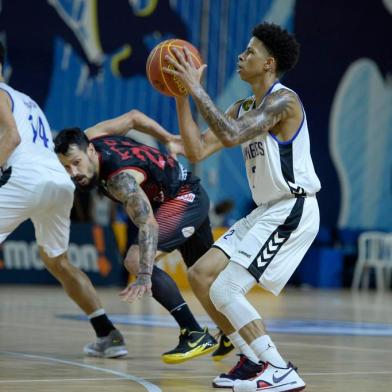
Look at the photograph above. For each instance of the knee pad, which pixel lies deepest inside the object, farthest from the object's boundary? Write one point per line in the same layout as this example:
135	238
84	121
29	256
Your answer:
227	294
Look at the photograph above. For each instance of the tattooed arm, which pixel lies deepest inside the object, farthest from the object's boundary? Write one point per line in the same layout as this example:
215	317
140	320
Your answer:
197	145
280	106
275	108
125	188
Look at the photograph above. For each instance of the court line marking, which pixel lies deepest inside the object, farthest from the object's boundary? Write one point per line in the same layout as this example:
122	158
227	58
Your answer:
162	377
125	333
149	332
146	384
14	381
345	373
332	347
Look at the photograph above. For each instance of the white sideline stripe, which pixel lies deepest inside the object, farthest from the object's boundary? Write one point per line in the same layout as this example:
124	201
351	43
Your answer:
344	373
332	347
61	380
149	386
161	377
125	333
170	333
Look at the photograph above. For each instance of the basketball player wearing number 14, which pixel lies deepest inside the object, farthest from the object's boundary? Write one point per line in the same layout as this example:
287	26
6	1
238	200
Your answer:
266	246
34	185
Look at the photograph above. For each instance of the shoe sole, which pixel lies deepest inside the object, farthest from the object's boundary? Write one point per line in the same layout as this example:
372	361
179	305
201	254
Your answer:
217	386
173	361
275	389
219	357
122	352
283	390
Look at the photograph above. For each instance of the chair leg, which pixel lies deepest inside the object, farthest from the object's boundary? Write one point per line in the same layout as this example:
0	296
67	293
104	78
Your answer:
380	277
366	278
389	277
357	276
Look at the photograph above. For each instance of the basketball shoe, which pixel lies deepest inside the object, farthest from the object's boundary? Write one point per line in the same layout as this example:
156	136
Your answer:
245	369
272	378
224	348
192	344
111	346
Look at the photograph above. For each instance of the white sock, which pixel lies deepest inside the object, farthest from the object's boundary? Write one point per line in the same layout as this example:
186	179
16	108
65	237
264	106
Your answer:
242	346
98	312
266	351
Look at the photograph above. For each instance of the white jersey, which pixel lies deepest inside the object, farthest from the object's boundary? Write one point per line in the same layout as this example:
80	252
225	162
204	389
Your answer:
36	147
34	184
277	169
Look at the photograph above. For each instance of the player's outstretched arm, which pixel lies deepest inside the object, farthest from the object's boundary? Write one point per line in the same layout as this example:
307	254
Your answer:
124	187
9	134
134	119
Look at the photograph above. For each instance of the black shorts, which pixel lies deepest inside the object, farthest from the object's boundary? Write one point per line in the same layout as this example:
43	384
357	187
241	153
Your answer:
183	224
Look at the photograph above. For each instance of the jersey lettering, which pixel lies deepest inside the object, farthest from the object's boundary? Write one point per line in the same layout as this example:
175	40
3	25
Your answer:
143	153
254	149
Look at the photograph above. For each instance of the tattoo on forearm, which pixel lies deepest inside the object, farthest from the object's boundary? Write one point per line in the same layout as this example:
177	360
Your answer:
124	187
148	240
275	107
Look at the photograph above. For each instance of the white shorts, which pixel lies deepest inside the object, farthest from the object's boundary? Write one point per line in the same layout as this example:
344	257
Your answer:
271	241
45	197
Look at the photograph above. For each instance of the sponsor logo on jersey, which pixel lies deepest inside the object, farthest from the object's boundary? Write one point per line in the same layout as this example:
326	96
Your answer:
188	231
296	189
189	197
245	254
183	173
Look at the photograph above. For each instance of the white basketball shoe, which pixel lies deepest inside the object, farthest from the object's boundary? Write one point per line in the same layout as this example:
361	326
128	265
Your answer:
272	378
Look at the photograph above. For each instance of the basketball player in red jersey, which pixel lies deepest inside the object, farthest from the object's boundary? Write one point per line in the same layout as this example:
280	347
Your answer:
166	203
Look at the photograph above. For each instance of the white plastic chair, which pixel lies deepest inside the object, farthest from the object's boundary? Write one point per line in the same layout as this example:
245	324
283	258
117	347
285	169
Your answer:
374	251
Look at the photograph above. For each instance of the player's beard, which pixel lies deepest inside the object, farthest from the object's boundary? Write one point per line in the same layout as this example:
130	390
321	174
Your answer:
89	186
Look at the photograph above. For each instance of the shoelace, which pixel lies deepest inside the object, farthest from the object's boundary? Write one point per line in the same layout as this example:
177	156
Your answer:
184	334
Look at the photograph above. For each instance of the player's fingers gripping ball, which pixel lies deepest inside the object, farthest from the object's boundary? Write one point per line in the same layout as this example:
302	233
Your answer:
169	84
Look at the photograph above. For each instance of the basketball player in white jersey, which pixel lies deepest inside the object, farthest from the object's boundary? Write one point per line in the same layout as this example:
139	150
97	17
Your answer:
34	185
266	246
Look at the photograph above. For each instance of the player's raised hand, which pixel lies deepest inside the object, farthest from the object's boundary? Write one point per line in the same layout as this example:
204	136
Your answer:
142	286
184	68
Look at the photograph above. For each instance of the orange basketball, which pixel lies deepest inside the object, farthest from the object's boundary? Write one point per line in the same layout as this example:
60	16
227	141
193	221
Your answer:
163	82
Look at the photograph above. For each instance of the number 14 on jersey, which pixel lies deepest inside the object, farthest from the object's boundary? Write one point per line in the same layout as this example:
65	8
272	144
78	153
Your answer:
38	129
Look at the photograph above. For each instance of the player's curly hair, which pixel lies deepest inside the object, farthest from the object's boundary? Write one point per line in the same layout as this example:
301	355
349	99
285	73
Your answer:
280	43
2	54
69	137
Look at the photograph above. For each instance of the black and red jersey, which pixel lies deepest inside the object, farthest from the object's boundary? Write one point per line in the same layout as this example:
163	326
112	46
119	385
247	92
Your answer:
163	175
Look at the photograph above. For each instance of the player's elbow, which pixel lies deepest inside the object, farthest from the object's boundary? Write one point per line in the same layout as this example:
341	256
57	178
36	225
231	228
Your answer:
194	157
133	118
228	141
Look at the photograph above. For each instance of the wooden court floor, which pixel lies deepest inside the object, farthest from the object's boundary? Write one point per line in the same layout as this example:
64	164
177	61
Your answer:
40	351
